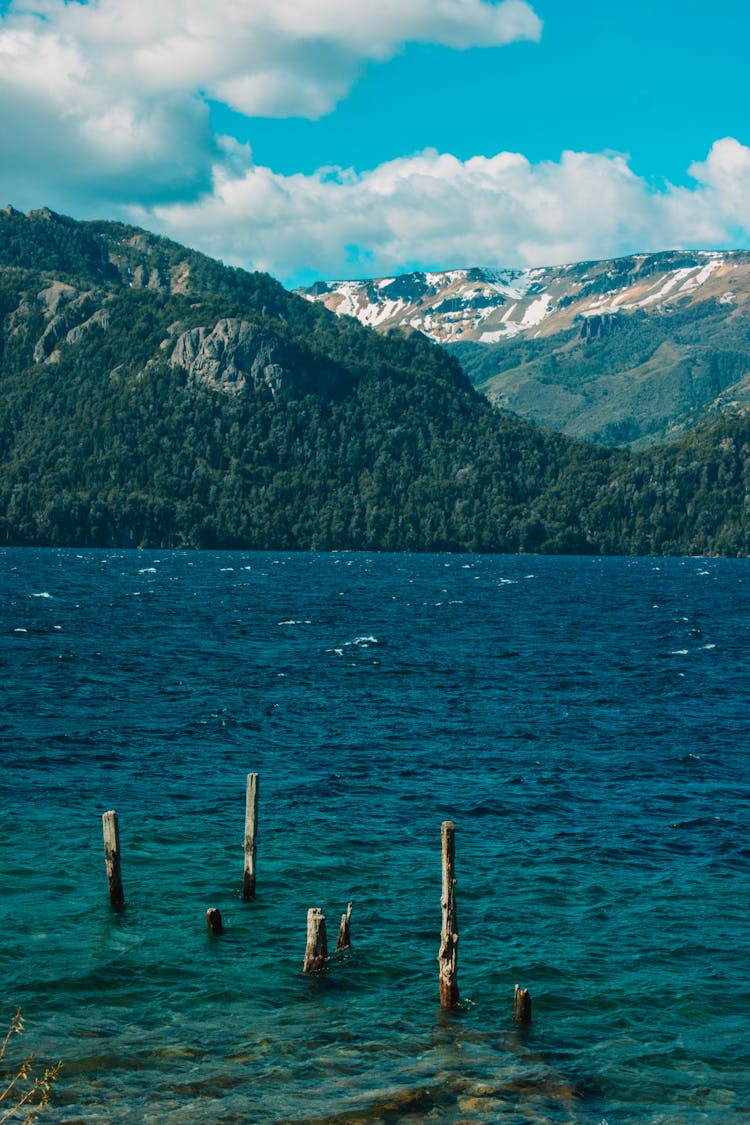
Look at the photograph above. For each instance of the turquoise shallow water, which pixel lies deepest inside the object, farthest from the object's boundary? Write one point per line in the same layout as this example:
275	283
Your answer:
584	724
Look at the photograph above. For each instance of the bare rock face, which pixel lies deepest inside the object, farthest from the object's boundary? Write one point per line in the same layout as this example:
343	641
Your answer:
231	356
71	315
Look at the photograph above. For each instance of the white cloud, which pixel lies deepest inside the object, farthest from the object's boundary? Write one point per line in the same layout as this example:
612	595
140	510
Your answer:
432	210
105	112
115	92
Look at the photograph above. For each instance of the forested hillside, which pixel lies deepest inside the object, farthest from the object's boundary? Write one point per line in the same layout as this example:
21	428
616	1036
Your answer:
151	396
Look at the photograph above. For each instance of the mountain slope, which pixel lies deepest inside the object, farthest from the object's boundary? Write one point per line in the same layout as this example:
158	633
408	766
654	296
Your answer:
151	396
629	351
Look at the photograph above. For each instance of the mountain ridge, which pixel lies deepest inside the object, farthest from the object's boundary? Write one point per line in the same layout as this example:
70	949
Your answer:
576	347
150	396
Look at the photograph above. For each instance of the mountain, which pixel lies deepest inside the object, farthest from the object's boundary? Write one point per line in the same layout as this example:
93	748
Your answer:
623	352
150	396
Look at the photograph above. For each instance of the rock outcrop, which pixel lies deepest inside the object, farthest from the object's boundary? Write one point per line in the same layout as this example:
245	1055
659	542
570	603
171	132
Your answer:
231	356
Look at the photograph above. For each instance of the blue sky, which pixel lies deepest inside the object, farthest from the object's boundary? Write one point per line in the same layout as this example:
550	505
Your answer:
337	138
658	79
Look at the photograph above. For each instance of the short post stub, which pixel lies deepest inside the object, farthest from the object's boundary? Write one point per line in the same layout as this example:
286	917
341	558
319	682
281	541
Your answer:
448	955
111	831
251	825
344	939
522	1006
213	920
316	953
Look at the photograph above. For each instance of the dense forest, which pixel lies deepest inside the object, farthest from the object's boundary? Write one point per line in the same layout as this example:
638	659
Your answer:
150	396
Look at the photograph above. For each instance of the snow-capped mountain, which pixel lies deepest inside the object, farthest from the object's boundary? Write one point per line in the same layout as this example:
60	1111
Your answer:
630	350
491	306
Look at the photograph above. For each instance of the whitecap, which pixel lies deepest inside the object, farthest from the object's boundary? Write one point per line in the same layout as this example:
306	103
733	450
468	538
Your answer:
292	621
43	595
148	570
20	630
706	647
679	652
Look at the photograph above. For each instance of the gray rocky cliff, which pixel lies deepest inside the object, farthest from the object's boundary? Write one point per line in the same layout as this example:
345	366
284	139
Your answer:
232	356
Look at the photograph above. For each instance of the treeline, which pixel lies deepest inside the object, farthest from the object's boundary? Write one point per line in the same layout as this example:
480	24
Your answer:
377	443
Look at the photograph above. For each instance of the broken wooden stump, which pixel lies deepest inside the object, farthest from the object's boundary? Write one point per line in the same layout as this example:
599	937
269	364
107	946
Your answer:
522	1006
316	953
213	921
448	955
344	940
251	823
111	831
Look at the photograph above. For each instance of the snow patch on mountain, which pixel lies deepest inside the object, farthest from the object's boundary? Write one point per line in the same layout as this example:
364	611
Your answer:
494	305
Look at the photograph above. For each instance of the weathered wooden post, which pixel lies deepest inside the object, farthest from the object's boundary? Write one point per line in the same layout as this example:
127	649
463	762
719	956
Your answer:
522	1006
316	953
448	955
213	921
111	830
251	824
344	939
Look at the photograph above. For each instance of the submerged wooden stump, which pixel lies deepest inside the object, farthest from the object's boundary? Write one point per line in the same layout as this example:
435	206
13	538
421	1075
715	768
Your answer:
111	831
344	939
251	824
522	1006
316	953
213	920
448	955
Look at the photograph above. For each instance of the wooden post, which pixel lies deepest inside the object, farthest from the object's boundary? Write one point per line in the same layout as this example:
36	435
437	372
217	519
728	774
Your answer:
213	921
251	824
448	955
112	858
316	953
344	939
522	1006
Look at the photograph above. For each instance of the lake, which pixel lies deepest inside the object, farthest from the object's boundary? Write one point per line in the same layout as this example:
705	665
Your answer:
582	721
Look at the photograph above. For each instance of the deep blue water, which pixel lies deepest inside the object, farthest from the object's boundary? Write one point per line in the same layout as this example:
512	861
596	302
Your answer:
584	722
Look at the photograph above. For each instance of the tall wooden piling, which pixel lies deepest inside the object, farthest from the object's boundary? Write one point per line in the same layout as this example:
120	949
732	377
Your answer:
448	955
251	824
344	939
111	831
316	953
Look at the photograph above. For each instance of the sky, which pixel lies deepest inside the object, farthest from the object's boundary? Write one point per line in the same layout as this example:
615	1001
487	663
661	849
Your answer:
363	138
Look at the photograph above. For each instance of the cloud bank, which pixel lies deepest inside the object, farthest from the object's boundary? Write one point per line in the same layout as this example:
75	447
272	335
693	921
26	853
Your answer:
106	112
432	210
108	100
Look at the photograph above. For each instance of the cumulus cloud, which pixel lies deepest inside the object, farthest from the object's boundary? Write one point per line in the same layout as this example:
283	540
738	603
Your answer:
106	111
432	210
108	100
